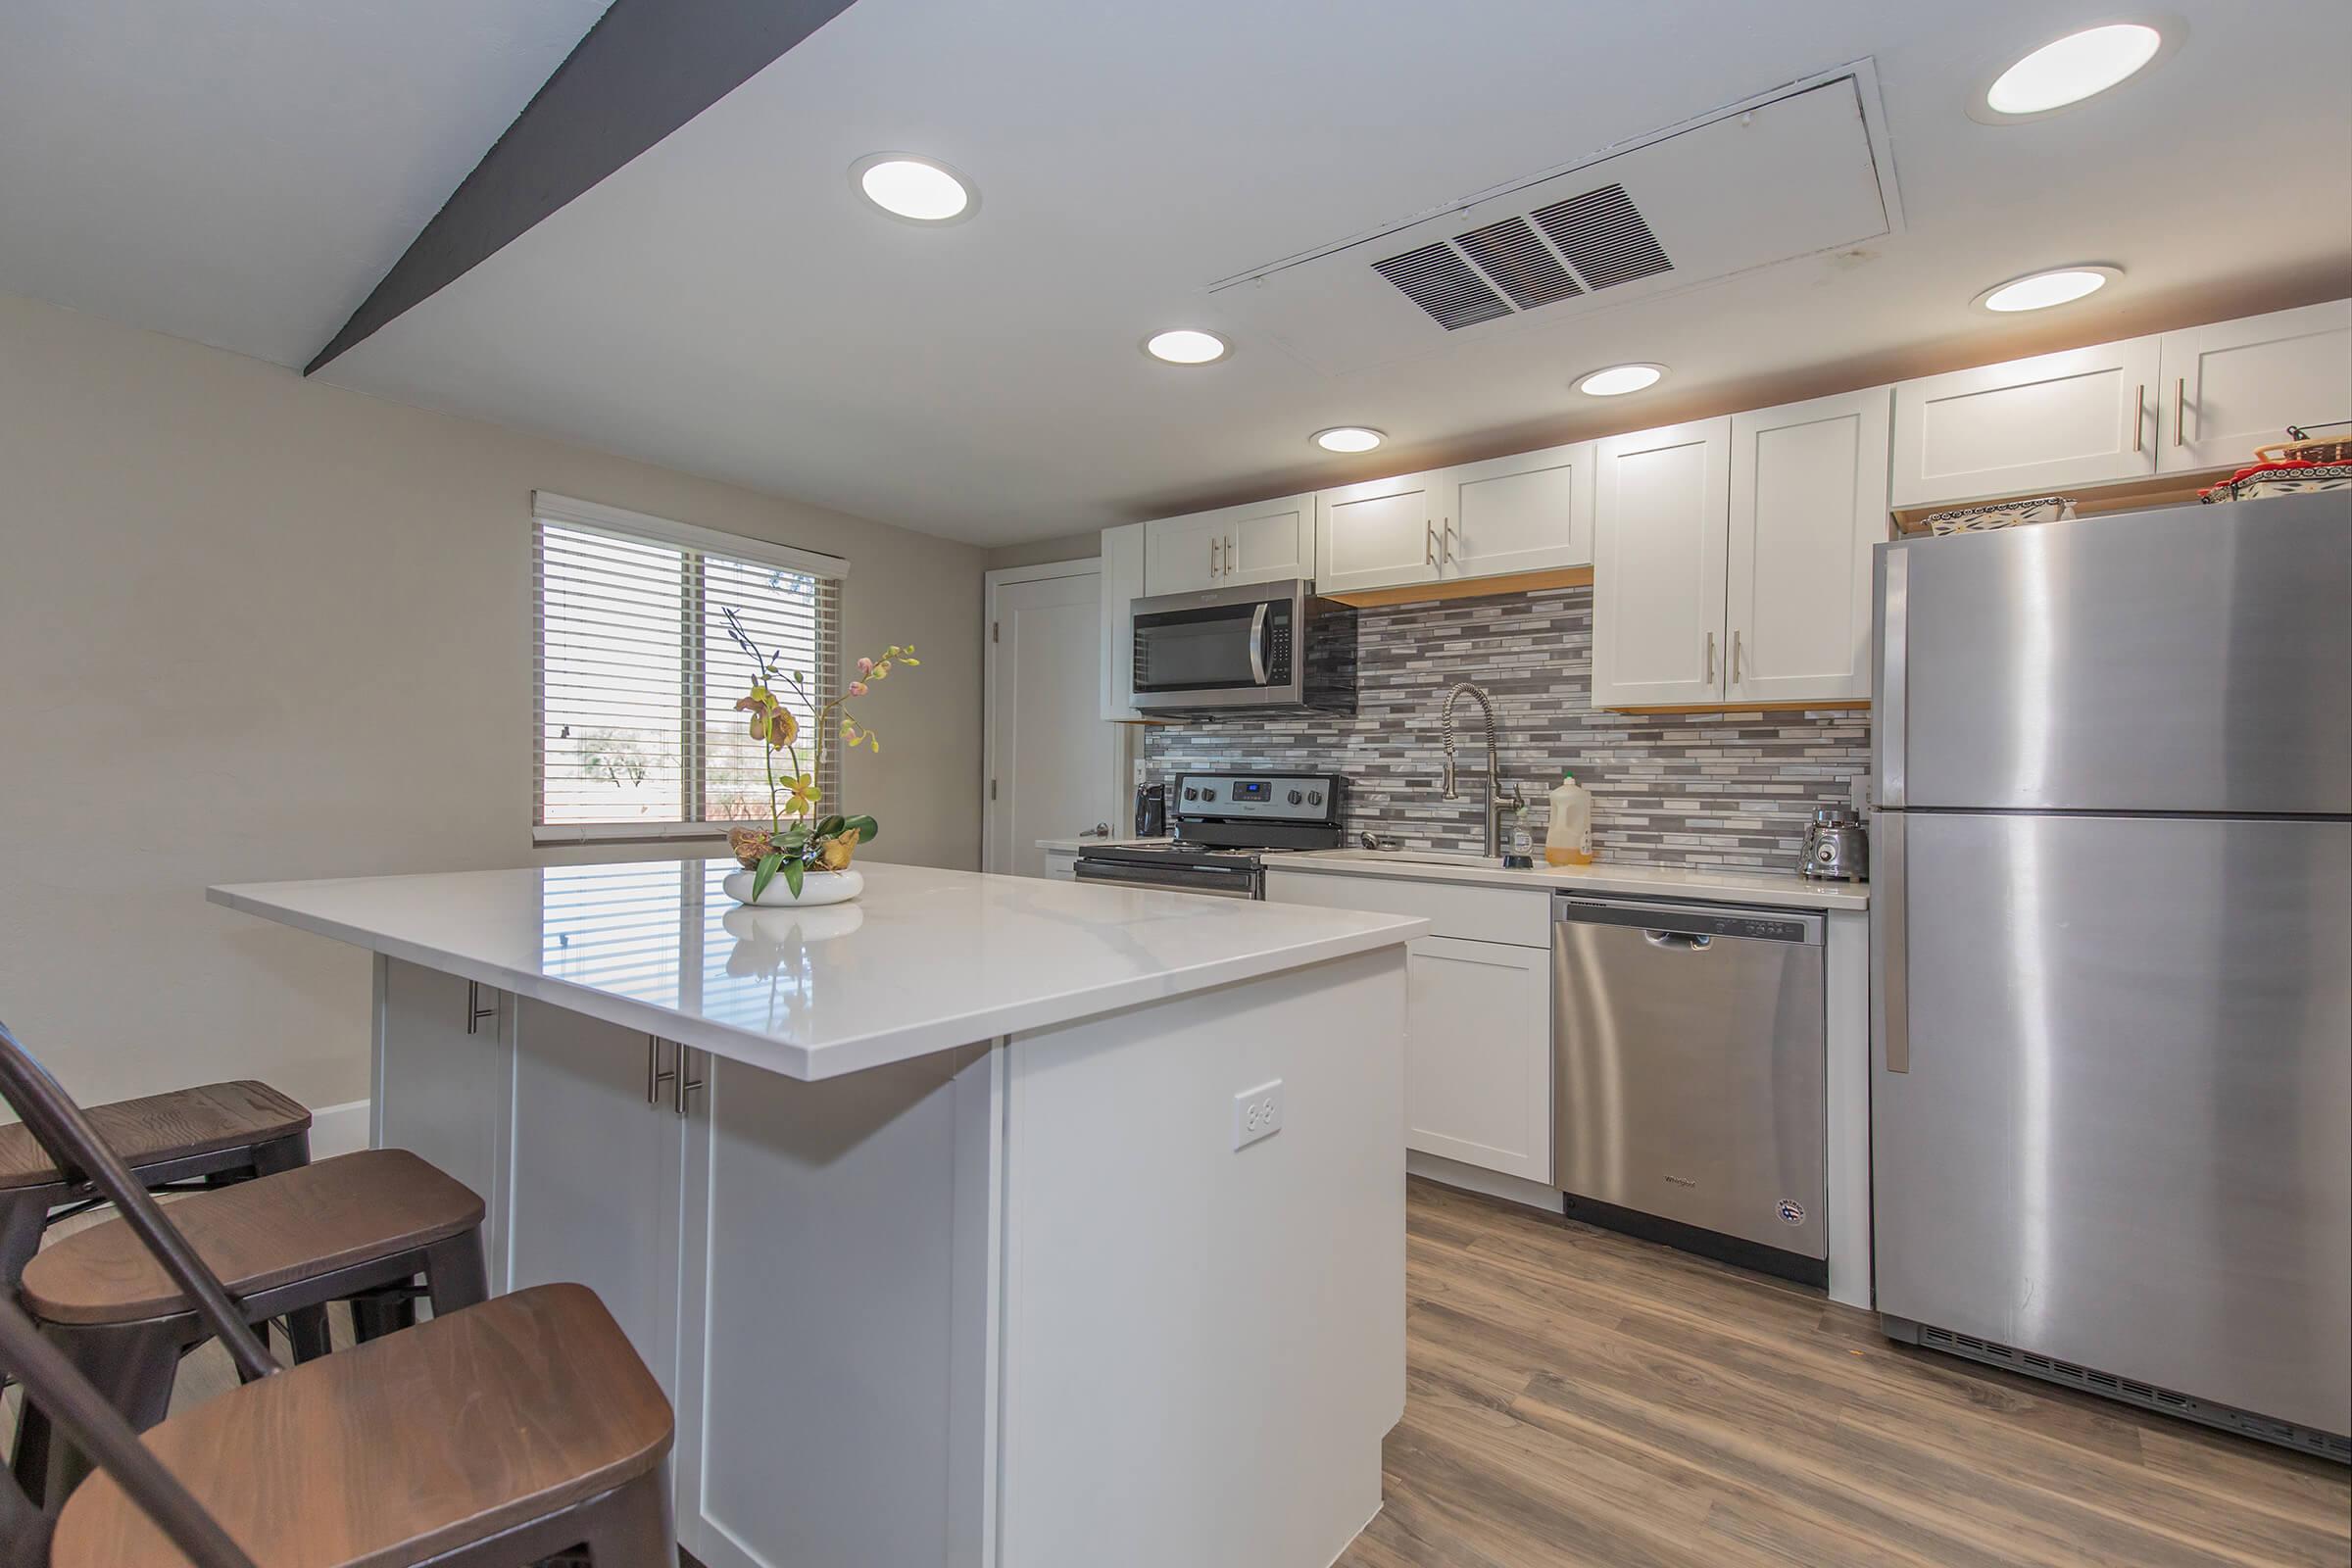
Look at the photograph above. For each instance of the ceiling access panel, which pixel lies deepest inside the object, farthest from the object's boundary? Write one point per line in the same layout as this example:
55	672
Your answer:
1751	186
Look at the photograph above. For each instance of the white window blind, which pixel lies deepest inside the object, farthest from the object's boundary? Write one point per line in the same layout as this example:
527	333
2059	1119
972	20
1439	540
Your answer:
639	671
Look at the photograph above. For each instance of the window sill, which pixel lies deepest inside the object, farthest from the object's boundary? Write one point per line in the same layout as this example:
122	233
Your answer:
543	836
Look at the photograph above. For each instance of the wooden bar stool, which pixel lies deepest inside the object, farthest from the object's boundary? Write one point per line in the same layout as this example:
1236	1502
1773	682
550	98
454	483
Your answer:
283	1244
490	1437
211	1134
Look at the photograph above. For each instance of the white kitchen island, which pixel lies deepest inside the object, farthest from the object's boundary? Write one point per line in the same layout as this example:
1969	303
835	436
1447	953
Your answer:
928	1209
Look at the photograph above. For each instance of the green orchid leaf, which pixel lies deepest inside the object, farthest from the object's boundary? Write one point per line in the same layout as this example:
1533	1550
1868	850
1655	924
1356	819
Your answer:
868	831
794	872
765	873
831	825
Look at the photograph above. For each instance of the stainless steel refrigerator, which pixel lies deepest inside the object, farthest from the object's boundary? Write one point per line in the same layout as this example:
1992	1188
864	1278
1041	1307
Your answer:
2112	943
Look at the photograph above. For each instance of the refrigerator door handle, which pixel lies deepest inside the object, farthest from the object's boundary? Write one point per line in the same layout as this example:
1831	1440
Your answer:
1891	997
1889	693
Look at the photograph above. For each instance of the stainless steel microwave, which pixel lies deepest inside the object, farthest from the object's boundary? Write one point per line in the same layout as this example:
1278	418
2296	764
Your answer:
1261	647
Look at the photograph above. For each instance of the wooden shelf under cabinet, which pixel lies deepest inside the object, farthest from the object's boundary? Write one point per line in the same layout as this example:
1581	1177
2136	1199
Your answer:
1517	582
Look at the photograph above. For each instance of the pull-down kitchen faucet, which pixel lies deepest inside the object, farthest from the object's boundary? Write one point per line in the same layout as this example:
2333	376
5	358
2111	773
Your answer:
1494	800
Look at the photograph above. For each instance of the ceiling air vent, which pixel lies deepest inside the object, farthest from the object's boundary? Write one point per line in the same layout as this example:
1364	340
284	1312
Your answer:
1442	284
1604	238
1520	265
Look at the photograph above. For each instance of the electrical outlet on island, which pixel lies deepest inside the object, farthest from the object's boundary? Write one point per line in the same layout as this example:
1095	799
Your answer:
1256	1114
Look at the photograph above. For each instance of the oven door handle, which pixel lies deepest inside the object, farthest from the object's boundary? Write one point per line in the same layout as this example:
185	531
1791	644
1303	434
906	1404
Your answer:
1217	882
1257	644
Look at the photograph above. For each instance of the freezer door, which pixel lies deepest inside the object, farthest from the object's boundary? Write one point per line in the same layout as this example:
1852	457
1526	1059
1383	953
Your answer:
2196	660
2121	1131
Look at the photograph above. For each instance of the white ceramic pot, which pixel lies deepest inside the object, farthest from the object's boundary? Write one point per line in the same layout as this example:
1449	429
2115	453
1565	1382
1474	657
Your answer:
816	888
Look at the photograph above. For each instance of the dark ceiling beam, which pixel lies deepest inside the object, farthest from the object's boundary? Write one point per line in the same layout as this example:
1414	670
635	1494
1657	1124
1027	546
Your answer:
644	69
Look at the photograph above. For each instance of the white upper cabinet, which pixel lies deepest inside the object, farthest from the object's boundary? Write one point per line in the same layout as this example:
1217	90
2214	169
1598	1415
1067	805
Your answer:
1378	534
1660	503
1264	541
1122	585
2051	423
2229	388
1532	512
1808	500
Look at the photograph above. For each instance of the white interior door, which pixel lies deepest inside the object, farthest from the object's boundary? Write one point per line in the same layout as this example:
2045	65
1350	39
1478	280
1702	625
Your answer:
1051	760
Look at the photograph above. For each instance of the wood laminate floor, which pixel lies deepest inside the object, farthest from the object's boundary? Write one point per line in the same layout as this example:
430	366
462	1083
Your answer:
1576	1398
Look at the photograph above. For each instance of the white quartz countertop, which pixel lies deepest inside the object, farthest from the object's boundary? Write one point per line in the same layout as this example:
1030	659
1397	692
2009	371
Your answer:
926	960
1782	890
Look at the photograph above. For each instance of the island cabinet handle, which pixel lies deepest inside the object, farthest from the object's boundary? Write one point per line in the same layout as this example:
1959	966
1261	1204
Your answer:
655	1075
476	1012
685	1085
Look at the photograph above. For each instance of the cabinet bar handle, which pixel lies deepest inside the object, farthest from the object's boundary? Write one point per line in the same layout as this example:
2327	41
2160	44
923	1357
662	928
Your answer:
655	1074
1213	542
476	1012
2180	397
2140	415
1734	656
1446	543
1710	656
1429	543
685	1085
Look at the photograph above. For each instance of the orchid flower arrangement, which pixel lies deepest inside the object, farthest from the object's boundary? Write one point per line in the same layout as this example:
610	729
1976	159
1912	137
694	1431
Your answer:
825	843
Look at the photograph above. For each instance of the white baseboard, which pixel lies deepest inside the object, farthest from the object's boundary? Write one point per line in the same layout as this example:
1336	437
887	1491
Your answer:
339	1129
1475	1179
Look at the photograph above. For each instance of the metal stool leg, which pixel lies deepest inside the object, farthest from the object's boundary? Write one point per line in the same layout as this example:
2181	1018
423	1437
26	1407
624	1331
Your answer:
133	1366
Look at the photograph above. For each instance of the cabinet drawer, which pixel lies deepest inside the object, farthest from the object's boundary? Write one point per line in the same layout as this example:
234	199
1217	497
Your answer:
1519	916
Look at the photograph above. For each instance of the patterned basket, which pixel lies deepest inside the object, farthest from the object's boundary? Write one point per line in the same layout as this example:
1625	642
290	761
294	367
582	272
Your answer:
2001	514
2280	479
2329	451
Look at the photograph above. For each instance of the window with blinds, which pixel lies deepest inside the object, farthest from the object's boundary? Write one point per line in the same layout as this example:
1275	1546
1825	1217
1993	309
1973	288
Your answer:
639	669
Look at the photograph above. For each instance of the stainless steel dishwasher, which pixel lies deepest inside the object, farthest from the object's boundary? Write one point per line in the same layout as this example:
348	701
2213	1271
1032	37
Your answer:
1688	1072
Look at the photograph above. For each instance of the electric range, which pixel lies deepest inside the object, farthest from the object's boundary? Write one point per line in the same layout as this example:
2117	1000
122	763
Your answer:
1224	825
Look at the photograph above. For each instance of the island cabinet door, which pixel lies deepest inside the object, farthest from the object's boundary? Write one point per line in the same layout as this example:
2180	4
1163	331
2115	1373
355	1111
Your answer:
840	1316
597	1181
1478	1054
444	1065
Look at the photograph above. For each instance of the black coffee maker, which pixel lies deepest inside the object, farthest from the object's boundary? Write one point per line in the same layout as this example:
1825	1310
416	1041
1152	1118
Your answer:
1151	810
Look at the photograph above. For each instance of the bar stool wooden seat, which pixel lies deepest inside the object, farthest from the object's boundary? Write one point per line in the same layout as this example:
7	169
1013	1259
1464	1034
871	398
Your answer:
212	1132
492	1436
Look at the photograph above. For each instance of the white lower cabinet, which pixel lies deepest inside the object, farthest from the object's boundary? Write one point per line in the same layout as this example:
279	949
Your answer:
1478	1014
597	1186
442	1091
1478	1054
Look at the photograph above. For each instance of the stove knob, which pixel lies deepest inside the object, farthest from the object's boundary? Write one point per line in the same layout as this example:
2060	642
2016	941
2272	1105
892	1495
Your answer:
1295	797
1208	793
1191	794
1314	796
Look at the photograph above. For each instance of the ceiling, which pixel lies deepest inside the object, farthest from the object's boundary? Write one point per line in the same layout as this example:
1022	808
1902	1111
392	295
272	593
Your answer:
726	304
243	171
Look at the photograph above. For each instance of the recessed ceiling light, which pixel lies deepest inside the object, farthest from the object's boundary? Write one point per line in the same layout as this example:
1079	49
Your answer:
2069	70
919	190
1186	346
1348	438
1619	379
2038	291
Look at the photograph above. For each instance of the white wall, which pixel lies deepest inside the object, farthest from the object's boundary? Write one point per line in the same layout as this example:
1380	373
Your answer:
254	627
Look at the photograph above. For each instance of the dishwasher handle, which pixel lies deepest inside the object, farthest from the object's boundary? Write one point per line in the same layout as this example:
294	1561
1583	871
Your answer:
1678	940
1691	926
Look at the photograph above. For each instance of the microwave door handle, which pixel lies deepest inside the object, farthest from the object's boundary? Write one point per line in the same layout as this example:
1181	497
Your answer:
1257	644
